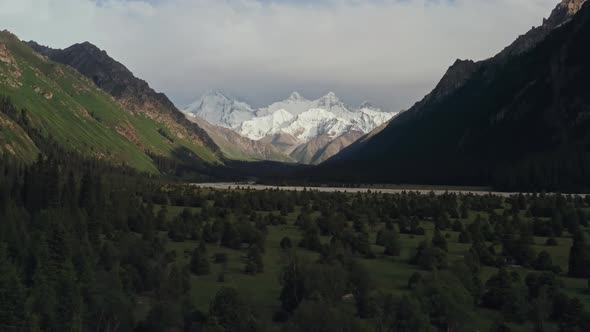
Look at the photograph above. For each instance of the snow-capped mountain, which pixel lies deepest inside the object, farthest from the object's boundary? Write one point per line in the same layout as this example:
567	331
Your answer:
220	110
308	119
316	122
322	120
297	104
271	124
367	119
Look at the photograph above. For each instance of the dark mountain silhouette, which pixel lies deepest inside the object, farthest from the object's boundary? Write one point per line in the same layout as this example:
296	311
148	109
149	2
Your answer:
519	120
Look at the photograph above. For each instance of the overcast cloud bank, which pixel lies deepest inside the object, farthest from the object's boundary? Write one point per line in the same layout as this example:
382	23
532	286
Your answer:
391	52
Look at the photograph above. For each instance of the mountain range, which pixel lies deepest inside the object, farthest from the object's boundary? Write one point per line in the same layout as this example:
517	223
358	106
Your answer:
301	130
520	119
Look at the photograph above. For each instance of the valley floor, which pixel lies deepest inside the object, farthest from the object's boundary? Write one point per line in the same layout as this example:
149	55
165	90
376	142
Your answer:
385	189
390	275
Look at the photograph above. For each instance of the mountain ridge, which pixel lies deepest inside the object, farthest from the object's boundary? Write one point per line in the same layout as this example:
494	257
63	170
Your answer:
218	109
302	122
132	94
63	107
515	120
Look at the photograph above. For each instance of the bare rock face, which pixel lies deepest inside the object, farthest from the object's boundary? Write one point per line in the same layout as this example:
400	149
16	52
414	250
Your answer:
563	12
284	142
238	147
323	147
12	73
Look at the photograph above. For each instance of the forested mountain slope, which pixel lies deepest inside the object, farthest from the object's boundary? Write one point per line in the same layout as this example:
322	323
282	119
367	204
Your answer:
520	120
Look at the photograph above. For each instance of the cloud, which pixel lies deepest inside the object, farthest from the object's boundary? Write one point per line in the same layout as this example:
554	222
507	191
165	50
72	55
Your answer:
388	51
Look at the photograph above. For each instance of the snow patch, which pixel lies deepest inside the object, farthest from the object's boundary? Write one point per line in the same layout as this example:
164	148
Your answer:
296	116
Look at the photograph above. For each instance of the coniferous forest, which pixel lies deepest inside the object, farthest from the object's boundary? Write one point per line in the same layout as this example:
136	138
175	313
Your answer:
88	246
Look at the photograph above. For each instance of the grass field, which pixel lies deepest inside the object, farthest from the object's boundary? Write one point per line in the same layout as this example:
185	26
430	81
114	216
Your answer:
390	274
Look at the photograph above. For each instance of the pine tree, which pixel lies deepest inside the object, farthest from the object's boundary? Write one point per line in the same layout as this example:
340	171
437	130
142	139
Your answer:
12	295
199	264
391	243
579	259
173	287
438	241
293	283
228	313
286	243
254	262
69	304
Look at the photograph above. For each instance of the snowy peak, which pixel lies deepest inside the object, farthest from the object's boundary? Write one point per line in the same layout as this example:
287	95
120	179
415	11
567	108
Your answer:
367	105
313	123
297	127
295	116
216	94
296	96
333	104
219	109
260	127
368	119
213	96
329	100
295	104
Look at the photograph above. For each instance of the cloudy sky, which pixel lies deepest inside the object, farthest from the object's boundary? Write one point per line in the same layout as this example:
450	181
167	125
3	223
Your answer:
391	52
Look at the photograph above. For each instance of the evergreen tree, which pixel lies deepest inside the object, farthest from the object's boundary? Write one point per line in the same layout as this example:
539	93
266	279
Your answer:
293	282
199	264
315	316
173	287
579	258
228	313
12	296
429	257
254	262
230	236
403	315
543	262
438	241
541	310
390	240
286	243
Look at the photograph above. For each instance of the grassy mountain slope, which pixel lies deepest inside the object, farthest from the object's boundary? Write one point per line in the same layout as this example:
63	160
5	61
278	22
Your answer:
77	114
131	93
519	120
14	141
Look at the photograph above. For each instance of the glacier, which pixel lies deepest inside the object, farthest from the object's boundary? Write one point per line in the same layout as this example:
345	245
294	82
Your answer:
296	116
218	109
